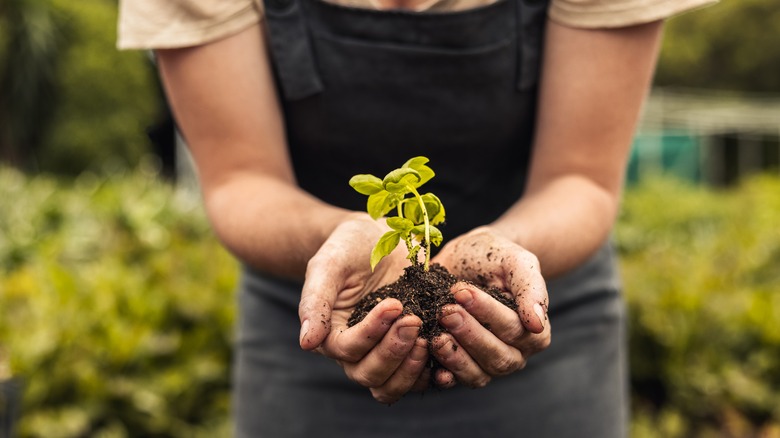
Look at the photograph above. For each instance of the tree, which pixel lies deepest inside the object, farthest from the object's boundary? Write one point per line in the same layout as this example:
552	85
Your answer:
731	45
30	43
69	100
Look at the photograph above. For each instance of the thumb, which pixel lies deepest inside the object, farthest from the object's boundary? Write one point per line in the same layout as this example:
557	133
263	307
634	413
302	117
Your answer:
530	291
318	295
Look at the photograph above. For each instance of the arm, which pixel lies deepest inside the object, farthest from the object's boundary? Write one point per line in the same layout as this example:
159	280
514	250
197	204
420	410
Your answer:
226	106
592	88
593	85
224	99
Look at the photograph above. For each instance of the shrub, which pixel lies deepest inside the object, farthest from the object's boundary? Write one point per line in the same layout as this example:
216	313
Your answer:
117	307
702	270
106	98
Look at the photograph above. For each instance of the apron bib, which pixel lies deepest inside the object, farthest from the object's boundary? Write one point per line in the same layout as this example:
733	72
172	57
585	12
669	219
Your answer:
365	90
362	91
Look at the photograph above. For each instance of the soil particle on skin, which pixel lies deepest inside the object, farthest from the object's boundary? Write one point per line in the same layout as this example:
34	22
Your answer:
422	293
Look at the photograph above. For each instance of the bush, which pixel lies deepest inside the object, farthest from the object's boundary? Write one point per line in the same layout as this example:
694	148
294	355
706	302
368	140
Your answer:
106	98
69	100
702	270
117	308
728	46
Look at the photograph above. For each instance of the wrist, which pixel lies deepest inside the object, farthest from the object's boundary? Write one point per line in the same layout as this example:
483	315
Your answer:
499	230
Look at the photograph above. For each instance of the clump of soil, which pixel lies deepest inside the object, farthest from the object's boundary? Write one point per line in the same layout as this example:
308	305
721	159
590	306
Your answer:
423	293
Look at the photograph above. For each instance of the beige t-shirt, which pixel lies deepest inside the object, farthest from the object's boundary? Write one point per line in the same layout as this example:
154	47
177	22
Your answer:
156	24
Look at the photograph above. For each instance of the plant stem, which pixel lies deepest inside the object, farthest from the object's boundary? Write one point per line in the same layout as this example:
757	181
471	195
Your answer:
408	238
427	227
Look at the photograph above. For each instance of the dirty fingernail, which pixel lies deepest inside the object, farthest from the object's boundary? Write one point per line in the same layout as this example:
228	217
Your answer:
444	345
304	330
389	316
540	313
464	297
419	353
452	321
408	333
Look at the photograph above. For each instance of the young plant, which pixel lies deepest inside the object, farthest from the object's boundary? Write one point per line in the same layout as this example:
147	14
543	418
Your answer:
417	214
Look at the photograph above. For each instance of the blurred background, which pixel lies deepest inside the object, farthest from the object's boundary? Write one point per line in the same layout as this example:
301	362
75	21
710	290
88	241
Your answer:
116	302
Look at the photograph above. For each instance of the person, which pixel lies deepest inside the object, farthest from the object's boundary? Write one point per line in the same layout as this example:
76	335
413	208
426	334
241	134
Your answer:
526	109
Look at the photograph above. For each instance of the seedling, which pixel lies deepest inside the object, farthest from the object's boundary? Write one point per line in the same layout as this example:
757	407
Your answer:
417	214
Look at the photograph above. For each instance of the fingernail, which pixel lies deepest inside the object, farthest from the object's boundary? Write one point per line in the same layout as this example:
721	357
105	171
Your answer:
304	330
389	316
540	313
408	333
419	353
452	321
445	346
464	297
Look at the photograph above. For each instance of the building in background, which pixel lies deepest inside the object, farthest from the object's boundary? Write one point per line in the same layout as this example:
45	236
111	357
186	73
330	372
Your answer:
705	136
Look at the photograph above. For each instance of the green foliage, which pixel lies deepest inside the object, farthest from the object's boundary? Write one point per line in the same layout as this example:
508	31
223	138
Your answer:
77	101
702	276
731	45
117	308
31	36
417	215
107	98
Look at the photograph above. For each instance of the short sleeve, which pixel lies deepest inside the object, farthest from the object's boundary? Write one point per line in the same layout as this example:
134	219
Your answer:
618	13
163	24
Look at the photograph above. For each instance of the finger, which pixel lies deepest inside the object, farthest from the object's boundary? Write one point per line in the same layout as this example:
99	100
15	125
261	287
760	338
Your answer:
525	281
444	379
353	343
405	377
493	355
424	379
385	358
466	370
534	343
318	295
502	321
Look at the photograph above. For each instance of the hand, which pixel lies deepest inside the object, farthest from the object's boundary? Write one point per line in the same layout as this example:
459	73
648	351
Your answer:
382	352
485	338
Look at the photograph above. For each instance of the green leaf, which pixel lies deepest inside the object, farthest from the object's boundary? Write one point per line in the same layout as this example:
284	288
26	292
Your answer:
418	164
434	207
400	224
412	211
399	180
436	236
366	184
384	247
380	203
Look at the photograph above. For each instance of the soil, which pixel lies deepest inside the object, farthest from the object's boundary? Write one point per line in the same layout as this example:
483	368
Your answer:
423	293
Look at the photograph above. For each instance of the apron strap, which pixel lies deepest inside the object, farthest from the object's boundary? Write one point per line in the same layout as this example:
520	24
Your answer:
291	50
530	34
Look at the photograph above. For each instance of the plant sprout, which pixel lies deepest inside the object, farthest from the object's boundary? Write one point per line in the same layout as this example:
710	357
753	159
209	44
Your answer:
417	215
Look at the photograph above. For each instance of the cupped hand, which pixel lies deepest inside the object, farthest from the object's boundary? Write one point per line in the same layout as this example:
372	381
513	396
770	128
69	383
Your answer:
382	352
485	338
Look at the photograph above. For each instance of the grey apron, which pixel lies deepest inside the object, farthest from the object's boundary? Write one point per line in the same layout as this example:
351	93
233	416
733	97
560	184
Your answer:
362	91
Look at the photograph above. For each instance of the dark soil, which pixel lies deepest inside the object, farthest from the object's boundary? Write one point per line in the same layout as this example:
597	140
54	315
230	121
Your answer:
423	294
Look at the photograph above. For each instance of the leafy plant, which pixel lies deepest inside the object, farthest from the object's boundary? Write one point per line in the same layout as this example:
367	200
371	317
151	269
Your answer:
701	279
417	214
117	315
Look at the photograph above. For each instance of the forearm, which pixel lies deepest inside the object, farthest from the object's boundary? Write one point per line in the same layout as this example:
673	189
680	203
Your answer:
562	223
270	224
594	82
225	103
